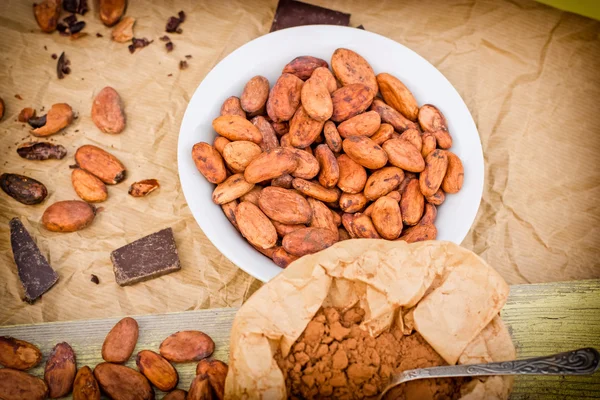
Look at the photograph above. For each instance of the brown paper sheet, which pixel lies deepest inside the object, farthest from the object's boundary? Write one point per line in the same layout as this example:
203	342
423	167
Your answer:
528	73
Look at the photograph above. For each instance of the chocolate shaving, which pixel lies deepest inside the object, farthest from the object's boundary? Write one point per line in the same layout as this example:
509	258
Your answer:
291	13
37	122
188	56
73	166
94	279
138	44
45	48
174	22
62	68
169	46
170	75
164	38
183	64
99	34
18	96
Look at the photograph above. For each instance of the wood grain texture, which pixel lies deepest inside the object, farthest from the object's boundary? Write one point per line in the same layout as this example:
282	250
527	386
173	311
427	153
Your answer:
543	319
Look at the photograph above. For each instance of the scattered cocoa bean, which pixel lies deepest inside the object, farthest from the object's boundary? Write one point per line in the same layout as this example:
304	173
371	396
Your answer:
68	216
123	31
18	354
143	188
19	385
60	370
41	151
120	341
200	388
85	386
23	189
187	346
59	116
46	14
88	187
24	115
107	111
111	11
100	163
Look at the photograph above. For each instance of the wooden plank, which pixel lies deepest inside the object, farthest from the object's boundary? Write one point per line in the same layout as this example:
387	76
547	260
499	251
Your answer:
543	319
551	318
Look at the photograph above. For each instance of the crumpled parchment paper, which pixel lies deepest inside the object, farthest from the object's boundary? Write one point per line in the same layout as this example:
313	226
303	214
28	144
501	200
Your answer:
527	72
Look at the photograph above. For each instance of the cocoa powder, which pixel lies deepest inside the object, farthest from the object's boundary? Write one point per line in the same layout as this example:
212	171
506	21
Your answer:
335	359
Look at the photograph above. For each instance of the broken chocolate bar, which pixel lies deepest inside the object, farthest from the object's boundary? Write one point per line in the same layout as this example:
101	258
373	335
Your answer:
291	13
146	258
36	275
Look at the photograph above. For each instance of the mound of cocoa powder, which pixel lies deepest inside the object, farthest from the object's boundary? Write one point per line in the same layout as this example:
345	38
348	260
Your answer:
335	359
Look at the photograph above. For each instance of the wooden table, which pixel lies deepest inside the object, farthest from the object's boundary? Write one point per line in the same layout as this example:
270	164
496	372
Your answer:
543	319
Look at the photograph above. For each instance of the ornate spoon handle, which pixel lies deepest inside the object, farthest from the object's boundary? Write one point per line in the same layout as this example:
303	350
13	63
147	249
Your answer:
577	362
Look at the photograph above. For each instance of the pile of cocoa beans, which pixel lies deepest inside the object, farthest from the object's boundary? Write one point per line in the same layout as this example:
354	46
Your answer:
322	157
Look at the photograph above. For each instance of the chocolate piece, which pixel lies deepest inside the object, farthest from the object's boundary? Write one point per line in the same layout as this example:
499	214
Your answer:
94	278
174	22
360	27
37	122
183	64
99	34
164	38
76	27
291	13
146	258
36	275
138	43
169	46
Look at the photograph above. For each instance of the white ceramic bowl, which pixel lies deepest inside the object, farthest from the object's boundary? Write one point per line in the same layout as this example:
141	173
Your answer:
267	56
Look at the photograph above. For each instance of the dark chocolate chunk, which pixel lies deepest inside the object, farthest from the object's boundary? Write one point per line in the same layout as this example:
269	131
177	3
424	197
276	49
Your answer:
94	279
36	275
138	43
37	122
169	46
146	258
42	151
291	13
181	15
360	27
54	56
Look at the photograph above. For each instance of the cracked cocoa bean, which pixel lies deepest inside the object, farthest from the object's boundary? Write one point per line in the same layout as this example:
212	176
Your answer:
41	151
23	189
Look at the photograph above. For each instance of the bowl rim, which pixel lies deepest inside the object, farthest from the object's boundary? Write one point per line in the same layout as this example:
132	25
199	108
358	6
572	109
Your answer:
267	274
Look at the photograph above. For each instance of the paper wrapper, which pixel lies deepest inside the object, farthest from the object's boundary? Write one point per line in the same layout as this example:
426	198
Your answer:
527	72
454	298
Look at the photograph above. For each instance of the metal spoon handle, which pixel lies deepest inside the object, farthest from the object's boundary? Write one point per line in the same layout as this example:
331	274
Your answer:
577	362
